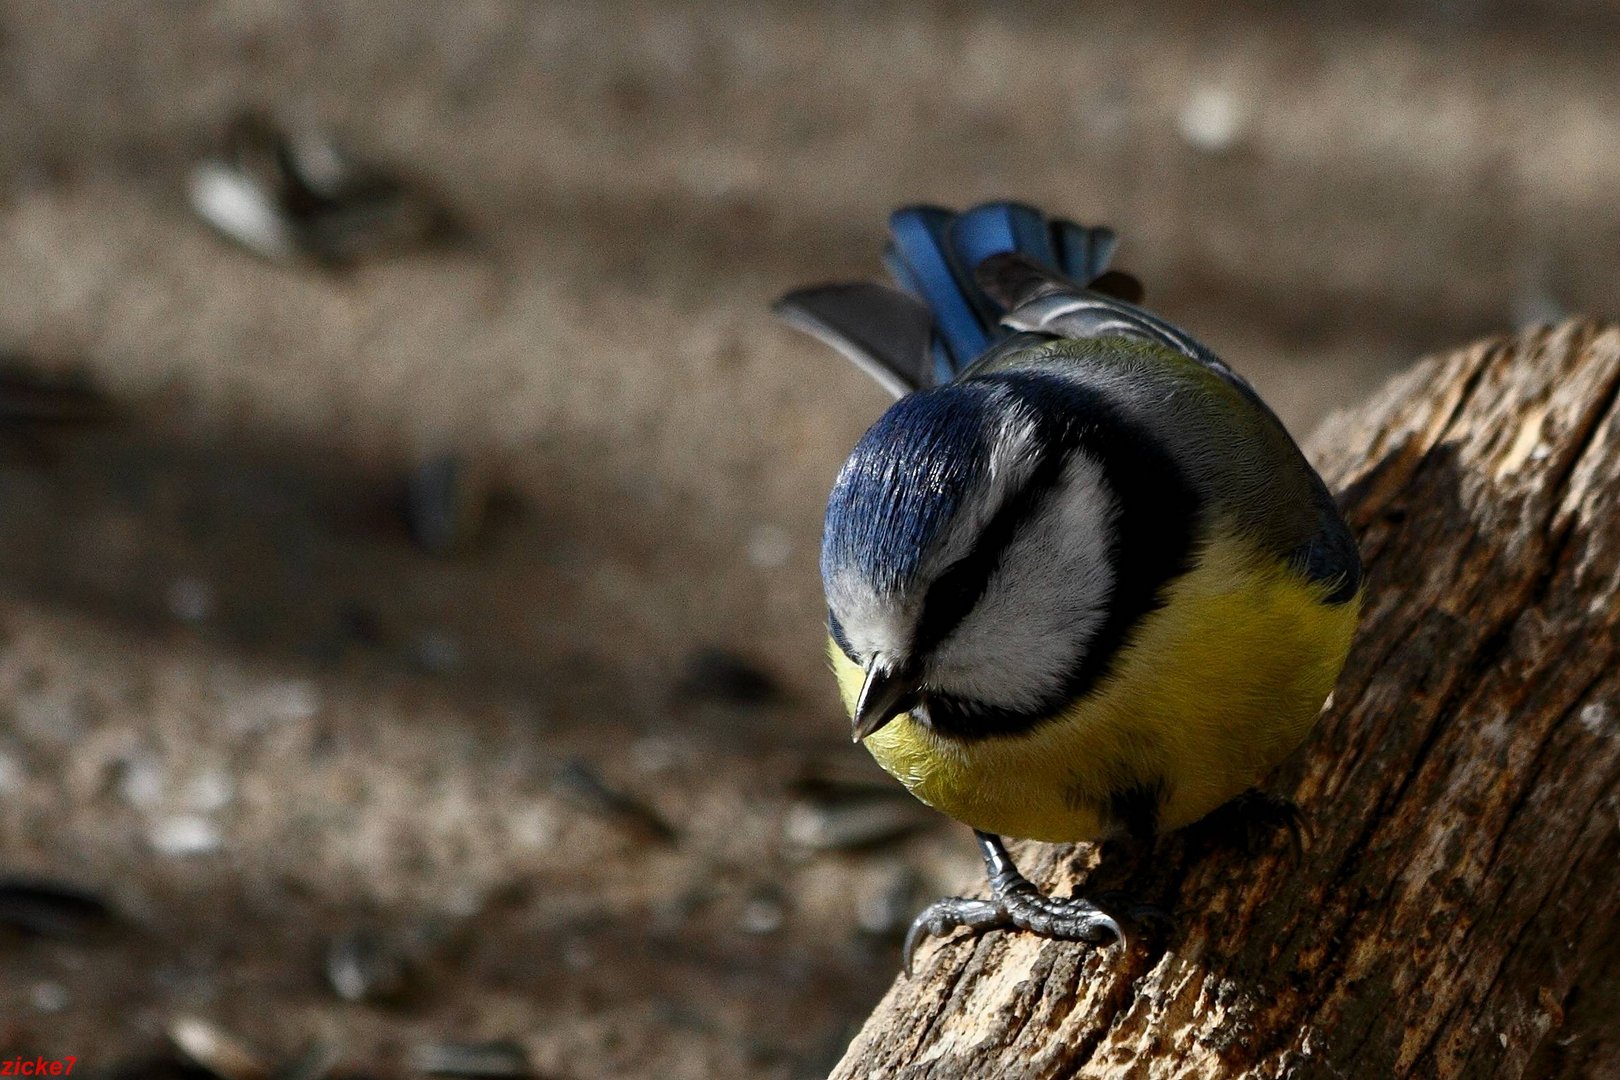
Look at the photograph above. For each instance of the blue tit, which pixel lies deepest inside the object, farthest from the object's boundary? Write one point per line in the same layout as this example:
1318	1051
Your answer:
1081	583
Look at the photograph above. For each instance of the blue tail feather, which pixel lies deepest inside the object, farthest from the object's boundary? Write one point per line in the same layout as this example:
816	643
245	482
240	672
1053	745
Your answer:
991	229
1083	253
944	368
922	243
934	253
994	228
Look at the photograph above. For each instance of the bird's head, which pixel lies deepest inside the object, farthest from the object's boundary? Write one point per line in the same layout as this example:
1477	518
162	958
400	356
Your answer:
969	556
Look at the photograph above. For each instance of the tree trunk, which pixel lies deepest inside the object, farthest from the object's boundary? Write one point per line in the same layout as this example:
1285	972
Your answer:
1455	911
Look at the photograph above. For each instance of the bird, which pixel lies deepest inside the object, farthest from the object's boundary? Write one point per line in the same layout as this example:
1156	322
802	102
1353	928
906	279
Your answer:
1082	585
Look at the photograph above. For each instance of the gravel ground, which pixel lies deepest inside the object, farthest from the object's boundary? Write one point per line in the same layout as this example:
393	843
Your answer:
239	703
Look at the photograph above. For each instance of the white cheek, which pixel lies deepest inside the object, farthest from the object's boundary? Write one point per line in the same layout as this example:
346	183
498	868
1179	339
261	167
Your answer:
871	623
1045	603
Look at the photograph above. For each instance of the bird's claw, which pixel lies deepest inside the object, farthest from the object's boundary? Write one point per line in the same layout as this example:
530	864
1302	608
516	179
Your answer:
951	913
1021	906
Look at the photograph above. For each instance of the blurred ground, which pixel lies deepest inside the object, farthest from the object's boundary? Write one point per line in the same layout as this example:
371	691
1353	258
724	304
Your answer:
239	703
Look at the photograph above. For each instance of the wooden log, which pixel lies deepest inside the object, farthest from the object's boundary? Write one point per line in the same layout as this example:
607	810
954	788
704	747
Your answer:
1455	914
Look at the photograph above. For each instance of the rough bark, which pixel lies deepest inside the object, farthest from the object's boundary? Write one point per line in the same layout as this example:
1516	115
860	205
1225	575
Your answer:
1456	912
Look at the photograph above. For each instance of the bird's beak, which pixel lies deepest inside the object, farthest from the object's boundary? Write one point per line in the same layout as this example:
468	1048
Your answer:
886	693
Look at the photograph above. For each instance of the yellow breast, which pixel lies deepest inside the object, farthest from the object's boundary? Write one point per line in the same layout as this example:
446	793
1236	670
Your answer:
1212	690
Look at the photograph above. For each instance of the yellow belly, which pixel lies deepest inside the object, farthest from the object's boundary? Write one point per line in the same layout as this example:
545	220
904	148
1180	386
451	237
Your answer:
1214	689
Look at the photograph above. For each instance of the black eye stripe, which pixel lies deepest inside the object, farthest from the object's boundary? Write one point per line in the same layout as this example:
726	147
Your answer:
955	591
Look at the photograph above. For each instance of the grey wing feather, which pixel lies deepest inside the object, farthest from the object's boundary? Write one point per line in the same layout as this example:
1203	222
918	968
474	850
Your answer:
1042	301
886	332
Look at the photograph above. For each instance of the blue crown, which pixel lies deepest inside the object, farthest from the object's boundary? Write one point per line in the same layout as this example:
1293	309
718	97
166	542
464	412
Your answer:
905	479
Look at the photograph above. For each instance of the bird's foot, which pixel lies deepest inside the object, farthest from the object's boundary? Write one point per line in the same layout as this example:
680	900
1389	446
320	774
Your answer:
1016	902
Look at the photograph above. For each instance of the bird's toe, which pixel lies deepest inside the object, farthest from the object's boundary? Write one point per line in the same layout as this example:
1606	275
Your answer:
951	913
1064	918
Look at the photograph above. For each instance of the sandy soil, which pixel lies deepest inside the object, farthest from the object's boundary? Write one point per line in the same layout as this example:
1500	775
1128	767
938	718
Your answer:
237	701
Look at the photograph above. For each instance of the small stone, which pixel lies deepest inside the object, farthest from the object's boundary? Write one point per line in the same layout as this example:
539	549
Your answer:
291	196
185	835
581	785
49	997
190	599
764	913
50	717
496	1059
242	208
52	909
255	708
866	823
445	499
216	1050
533	828
291	700
209	791
656	754
577	955
769	547
141	781
365	965
465	900
436	653
12	775
1212	119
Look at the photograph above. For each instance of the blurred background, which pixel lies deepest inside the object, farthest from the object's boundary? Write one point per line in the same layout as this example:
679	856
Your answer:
410	637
